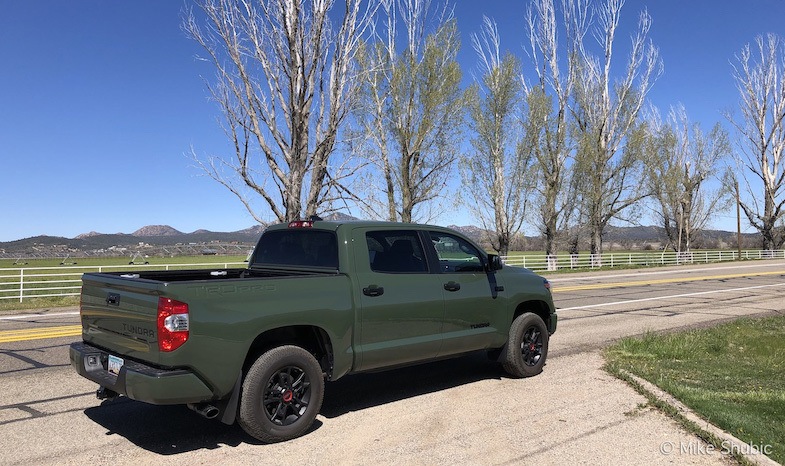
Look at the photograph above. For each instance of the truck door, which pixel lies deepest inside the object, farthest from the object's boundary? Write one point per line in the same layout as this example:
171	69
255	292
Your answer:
402	306
473	315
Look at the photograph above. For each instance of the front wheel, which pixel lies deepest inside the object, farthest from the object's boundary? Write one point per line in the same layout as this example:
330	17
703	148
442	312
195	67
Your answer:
282	394
527	346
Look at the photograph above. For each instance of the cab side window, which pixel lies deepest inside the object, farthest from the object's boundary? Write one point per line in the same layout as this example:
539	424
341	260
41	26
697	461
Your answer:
456	254
396	251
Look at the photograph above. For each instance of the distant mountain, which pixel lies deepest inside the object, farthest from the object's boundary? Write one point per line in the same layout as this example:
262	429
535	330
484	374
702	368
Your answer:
165	240
474	233
255	230
88	235
149	240
639	233
340	217
157	230
641	237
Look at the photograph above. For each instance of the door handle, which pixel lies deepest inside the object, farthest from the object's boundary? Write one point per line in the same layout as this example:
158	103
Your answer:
452	286
373	290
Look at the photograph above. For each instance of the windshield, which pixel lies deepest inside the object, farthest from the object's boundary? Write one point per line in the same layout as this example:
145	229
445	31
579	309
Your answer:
296	247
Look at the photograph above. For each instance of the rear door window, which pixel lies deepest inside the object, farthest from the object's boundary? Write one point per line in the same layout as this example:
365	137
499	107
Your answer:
396	251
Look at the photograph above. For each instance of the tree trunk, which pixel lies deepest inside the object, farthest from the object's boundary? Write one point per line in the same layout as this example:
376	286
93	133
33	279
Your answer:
596	239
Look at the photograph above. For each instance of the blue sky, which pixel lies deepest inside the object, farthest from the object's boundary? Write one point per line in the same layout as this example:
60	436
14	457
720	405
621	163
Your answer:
101	101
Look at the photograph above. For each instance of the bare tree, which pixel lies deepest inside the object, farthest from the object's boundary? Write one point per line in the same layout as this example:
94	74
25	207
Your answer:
548	114
285	77
606	114
411	109
496	172
681	158
760	79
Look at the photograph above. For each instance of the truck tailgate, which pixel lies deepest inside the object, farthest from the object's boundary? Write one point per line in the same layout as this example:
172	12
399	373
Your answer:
120	315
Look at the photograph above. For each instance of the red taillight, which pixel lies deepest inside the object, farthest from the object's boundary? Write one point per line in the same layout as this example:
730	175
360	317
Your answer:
301	224
173	324
546	284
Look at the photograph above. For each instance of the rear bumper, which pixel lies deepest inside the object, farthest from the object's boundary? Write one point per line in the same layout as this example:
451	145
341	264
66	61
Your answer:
139	381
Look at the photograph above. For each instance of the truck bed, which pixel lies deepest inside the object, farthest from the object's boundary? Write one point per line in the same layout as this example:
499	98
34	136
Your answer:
169	276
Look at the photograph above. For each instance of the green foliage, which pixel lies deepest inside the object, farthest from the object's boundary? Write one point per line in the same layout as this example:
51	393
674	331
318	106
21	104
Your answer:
409	115
733	375
680	157
495	171
426	99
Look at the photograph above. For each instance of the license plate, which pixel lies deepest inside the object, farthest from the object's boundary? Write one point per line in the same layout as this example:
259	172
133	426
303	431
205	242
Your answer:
114	365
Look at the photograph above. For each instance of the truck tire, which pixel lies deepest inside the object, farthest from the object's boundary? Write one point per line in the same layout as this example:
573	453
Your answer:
282	394
527	346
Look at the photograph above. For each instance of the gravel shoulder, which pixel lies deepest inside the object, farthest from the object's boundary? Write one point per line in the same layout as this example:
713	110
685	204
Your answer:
572	413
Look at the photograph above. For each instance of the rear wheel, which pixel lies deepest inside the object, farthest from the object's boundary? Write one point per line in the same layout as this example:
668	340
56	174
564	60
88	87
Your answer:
527	346
282	394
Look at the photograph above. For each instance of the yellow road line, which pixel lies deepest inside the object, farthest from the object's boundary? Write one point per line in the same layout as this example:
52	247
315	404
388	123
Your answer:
601	286
10	336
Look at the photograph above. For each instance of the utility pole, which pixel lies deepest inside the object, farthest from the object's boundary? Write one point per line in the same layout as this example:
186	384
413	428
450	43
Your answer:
738	219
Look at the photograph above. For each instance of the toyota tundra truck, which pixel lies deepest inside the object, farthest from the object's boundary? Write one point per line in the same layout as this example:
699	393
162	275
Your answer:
318	300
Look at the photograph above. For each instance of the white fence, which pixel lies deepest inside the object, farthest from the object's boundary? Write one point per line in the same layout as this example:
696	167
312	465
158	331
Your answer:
47	282
543	263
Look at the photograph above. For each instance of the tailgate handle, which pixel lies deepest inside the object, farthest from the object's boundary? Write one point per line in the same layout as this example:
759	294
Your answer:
113	299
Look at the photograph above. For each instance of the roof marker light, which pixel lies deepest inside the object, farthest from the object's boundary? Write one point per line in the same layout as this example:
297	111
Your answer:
301	224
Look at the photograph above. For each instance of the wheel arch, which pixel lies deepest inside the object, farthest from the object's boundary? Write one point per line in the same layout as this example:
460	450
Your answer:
312	338
536	306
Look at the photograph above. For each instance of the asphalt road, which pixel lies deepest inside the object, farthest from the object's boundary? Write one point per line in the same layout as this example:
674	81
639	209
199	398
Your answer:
462	411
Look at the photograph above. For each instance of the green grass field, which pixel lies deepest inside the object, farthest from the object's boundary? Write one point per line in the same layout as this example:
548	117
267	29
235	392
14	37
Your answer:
732	375
76	263
42	276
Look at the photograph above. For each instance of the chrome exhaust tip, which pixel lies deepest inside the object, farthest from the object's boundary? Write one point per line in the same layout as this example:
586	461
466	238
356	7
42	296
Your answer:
206	410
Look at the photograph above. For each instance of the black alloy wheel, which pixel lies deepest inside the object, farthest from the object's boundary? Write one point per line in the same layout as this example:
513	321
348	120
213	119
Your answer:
287	395
531	346
281	395
527	346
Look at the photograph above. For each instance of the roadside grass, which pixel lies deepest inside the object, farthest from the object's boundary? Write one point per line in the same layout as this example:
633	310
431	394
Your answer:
38	303
732	375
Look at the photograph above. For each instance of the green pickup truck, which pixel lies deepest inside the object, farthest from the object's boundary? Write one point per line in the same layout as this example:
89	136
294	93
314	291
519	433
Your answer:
318	300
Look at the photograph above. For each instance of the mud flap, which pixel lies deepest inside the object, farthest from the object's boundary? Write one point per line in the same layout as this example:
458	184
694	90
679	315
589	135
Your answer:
228	406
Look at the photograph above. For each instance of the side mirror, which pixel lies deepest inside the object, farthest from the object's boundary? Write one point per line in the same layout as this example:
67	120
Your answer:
494	262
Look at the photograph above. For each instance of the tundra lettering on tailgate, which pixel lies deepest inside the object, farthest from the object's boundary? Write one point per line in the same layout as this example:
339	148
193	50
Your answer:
141	331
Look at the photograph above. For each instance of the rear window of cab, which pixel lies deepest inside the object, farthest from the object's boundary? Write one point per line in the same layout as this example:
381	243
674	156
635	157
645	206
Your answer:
299	248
